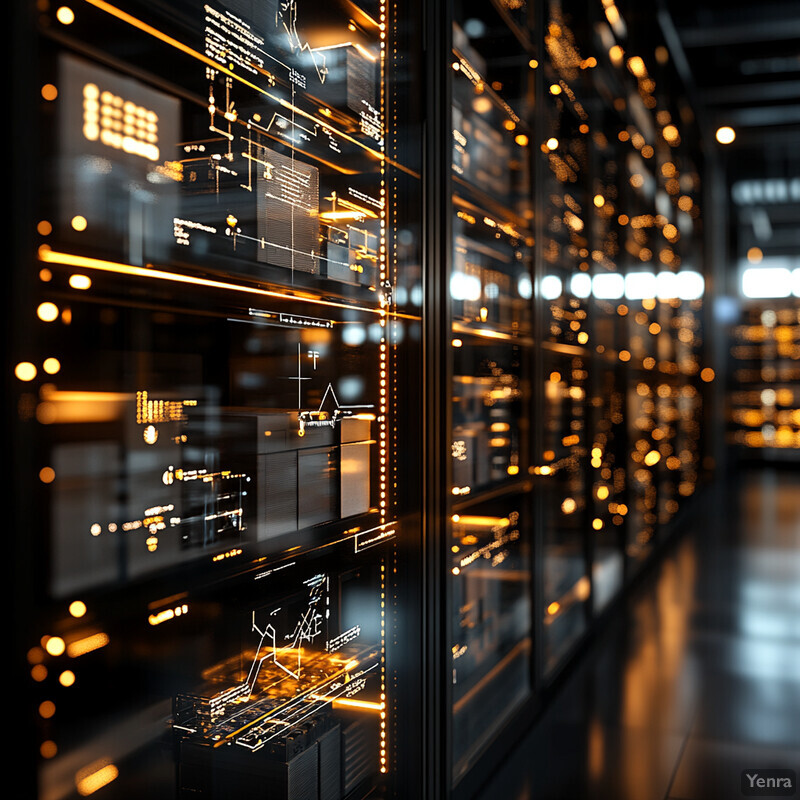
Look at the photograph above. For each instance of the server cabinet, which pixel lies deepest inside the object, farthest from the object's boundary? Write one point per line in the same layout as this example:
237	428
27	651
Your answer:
488	524
217	368
357	367
621	310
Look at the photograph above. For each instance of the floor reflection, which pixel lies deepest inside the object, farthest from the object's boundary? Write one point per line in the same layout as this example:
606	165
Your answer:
697	676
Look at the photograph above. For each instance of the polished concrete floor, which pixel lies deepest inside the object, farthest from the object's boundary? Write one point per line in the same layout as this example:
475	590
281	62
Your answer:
695	678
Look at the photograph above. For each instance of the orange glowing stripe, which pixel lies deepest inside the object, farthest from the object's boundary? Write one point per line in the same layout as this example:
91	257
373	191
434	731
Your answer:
143	26
366	16
96	780
349	702
66	396
83	646
484	522
346	702
364	52
335	216
337	167
69	260
290	651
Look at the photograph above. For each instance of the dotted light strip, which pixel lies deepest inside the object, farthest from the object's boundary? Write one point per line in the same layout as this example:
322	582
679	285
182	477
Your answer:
395	151
384	385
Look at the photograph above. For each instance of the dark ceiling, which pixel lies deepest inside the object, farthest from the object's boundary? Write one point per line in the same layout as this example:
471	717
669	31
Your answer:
744	62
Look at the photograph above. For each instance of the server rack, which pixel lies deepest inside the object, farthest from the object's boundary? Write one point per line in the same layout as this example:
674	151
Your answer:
332	446
218	358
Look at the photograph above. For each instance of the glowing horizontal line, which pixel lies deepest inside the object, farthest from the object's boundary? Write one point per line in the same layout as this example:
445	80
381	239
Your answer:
332	216
85	397
483	521
331	47
349	703
488	333
69	260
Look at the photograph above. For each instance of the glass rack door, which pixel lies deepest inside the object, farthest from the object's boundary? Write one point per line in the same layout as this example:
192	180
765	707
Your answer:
490	289
226	288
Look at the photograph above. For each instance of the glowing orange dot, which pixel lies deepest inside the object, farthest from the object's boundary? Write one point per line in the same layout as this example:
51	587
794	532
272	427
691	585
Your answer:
45	275
39	673
47	709
44	228
79	223
51	366
65	15
25	371
48	749
77	608
624	355
725	134
670	133
49	92
47	474
67	677
55	646
707	375
47	312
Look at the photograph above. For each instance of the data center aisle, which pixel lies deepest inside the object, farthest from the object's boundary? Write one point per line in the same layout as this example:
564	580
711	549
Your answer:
697	676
